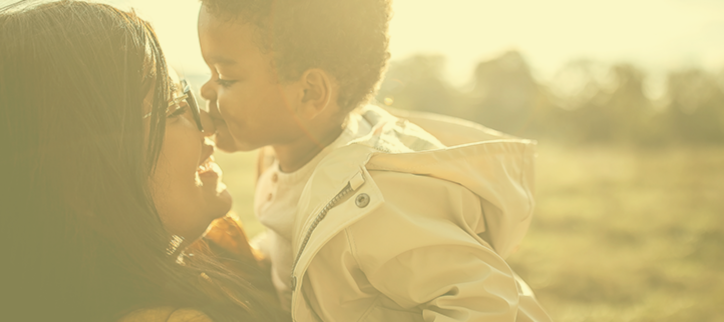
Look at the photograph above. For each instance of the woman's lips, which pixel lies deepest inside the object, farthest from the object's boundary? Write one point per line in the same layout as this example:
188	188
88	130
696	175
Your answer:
209	169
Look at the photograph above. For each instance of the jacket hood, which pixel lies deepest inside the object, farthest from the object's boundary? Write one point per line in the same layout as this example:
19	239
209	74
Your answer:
346	187
497	167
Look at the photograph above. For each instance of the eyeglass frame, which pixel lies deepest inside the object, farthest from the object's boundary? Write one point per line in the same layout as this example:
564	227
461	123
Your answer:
188	96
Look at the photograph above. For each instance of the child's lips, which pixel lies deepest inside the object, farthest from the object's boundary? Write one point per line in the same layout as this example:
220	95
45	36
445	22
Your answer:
224	141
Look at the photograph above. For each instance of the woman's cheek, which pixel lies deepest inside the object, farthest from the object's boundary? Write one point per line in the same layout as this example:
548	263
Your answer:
176	173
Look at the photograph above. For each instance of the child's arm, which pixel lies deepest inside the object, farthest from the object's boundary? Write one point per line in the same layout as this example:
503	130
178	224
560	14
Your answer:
420	250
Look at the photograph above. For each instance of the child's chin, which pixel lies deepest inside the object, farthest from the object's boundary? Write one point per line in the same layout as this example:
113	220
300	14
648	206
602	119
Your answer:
225	142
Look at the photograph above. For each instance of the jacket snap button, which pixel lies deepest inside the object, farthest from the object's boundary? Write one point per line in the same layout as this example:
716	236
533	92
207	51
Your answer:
362	200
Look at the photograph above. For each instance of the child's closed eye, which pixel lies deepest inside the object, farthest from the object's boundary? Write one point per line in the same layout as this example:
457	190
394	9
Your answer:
225	83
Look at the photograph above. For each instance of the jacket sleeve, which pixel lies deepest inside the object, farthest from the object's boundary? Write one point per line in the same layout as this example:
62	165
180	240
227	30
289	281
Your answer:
420	249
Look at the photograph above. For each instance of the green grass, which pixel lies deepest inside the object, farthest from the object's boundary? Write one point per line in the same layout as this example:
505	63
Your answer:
626	235
618	235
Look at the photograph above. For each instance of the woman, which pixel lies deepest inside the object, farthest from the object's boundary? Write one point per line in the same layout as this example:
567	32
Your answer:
108	177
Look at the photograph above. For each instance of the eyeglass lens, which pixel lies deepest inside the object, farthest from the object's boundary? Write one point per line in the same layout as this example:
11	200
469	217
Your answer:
193	105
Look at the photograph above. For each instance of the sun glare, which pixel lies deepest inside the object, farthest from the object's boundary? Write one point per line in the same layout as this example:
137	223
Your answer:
657	35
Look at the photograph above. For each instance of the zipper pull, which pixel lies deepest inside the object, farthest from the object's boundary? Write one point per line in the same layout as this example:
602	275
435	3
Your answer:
357	181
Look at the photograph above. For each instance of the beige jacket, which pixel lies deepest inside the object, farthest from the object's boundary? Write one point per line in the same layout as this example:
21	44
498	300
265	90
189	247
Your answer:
165	314
406	224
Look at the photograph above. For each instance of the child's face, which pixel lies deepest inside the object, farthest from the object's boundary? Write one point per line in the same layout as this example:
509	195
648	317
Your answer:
257	109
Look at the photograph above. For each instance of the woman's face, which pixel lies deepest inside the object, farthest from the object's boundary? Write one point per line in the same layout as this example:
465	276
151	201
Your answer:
186	185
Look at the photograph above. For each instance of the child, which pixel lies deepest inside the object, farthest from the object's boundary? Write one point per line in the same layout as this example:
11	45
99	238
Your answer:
370	217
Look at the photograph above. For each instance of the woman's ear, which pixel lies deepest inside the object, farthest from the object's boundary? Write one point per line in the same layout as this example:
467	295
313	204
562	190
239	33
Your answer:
318	91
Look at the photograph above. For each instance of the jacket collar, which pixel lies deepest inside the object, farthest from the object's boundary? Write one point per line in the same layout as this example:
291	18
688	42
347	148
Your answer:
496	167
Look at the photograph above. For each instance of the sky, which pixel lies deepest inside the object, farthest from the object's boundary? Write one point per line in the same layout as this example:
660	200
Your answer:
657	35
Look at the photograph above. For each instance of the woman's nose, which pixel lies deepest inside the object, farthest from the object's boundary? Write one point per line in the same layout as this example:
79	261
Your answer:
207	123
208	92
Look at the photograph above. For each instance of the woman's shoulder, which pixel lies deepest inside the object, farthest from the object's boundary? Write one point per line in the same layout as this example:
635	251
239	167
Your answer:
165	314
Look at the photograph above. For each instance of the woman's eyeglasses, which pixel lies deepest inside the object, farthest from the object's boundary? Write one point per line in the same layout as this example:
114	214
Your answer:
176	103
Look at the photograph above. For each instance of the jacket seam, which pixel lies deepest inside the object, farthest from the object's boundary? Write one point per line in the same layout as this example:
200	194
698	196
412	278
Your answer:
369	309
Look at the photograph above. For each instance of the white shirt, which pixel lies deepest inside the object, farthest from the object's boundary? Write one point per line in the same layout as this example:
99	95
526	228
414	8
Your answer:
275	205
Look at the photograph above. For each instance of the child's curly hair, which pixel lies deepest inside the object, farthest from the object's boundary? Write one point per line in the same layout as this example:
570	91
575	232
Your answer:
346	38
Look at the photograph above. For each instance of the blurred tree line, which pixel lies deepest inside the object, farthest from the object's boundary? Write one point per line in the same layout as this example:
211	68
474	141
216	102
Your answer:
585	102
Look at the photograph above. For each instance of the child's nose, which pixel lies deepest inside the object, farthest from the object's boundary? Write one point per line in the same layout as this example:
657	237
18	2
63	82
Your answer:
208	92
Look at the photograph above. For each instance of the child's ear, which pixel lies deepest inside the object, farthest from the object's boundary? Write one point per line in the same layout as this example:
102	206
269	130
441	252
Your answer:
317	95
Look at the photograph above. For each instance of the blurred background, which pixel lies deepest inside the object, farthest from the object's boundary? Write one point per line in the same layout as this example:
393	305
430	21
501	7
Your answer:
626	100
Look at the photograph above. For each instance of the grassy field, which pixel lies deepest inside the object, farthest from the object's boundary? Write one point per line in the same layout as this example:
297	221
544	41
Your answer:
619	234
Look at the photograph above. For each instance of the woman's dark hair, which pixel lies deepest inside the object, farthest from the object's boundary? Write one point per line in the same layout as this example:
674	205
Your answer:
81	236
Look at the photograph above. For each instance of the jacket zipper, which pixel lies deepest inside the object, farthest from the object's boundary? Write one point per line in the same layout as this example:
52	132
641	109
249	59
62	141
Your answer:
320	216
